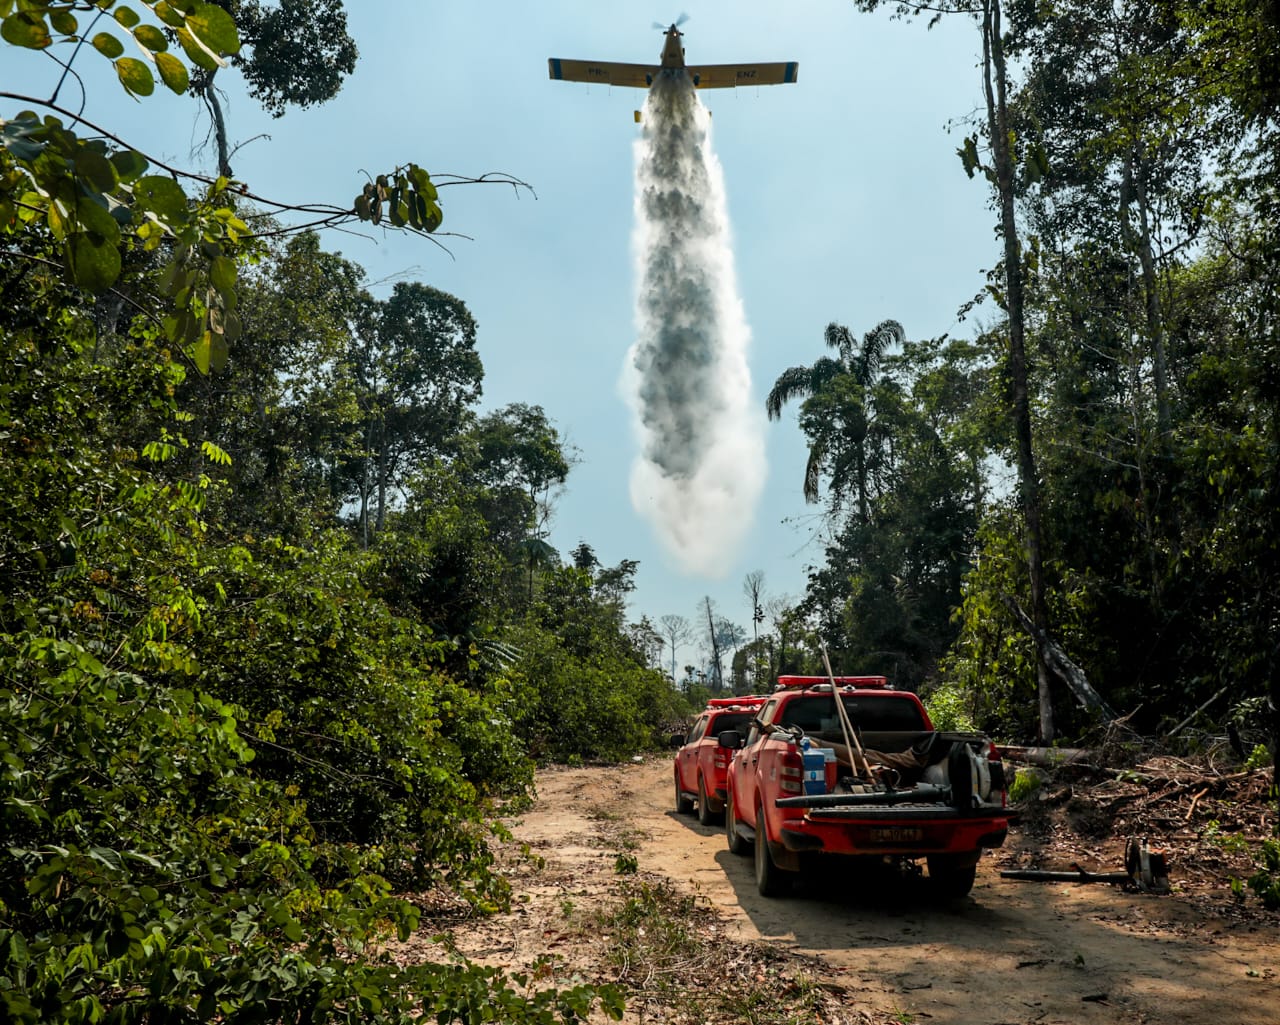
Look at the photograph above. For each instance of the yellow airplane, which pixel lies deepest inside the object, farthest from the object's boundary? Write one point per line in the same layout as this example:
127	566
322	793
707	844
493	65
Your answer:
642	76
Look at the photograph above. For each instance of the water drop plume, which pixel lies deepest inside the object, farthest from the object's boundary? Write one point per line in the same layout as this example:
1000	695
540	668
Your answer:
701	465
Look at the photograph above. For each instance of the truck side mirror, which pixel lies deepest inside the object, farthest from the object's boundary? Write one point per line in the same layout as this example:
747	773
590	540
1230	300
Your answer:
675	741
731	739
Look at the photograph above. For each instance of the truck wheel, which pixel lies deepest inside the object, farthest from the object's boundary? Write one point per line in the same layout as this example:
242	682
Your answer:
683	804
705	815
952	875
737	845
771	881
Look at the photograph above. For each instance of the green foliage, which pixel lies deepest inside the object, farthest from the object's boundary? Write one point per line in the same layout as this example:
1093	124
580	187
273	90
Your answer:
582	691
206	33
98	202
410	199
1233	842
223	748
1026	782
948	708
346	707
572	708
298	51
417	374
899	435
1265	883
1259	757
216	752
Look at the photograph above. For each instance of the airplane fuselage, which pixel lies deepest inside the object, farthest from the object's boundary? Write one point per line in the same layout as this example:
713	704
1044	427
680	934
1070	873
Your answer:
673	50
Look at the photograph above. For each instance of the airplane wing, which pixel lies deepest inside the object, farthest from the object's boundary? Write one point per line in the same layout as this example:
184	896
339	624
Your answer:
639	76
726	76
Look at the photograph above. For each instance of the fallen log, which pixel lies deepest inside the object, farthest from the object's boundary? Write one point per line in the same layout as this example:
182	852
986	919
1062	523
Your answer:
1048	757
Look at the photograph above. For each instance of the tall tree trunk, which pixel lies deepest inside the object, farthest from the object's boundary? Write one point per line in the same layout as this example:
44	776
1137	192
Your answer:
1135	192
382	483
1155	318
365	486
210	96
998	129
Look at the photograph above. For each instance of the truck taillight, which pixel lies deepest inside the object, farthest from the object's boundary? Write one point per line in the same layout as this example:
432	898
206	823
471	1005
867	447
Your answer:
791	772
720	758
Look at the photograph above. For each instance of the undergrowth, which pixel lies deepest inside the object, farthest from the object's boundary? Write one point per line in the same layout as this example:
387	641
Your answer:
664	946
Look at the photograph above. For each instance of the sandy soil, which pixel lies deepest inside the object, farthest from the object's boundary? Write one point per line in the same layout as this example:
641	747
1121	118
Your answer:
879	947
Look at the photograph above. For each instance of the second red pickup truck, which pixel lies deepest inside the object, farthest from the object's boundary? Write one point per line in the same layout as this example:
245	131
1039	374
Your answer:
869	776
701	763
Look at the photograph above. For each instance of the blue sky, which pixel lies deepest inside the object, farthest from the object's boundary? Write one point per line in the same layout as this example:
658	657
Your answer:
845	197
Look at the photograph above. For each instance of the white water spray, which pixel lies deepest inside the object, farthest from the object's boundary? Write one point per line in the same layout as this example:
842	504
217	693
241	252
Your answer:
701	467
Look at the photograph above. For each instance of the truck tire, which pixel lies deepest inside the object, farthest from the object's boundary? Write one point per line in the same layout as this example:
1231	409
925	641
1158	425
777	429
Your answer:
952	875
683	804
737	845
705	815
771	881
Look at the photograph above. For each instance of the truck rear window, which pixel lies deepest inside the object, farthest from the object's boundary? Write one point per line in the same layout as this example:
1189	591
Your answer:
873	713
740	721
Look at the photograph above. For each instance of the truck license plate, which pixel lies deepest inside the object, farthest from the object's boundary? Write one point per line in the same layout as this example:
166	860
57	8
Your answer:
896	834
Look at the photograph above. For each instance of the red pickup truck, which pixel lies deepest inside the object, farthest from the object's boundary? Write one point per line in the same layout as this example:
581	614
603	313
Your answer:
869	778
701	763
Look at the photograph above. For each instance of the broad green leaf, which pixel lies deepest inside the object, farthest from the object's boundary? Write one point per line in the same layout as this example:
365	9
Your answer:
127	16
64	21
57	223
222	272
182	328
15	136
422	182
161	195
201	355
214	27
174	278
151	37
135	76
96	219
28	30
93	262
232	327
95	170
108	45
198	54
129	164
172	72
169	15
218	350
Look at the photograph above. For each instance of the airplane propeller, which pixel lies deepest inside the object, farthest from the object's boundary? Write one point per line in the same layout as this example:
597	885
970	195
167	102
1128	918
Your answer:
678	22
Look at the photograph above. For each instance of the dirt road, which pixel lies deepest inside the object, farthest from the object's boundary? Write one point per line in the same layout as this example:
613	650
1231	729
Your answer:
879	949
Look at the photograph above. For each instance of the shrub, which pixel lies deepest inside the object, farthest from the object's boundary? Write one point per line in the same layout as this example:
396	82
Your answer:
1026	782
948	708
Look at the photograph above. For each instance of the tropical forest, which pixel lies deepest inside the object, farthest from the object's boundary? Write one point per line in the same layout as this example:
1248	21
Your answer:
283	641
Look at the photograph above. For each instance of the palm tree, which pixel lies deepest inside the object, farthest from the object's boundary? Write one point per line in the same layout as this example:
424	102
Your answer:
838	414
